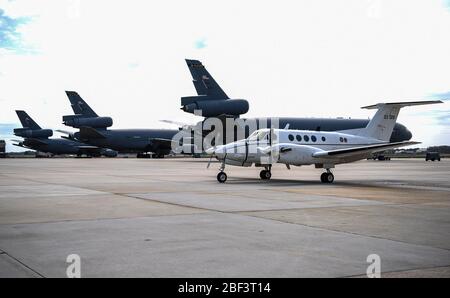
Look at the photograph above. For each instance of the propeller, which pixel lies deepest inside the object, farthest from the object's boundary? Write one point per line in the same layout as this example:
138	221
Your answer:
211	151
209	162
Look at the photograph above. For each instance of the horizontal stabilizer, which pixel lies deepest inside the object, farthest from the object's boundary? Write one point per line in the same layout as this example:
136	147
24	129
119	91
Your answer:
356	151
402	104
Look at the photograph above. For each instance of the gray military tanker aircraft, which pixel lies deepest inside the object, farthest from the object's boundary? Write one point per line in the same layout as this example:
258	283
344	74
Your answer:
214	102
39	139
94	130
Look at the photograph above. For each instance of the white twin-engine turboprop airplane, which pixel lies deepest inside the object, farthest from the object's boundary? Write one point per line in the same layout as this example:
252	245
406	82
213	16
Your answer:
265	147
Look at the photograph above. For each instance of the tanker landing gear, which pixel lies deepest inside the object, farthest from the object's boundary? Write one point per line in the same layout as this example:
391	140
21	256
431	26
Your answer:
266	174
327	177
148	155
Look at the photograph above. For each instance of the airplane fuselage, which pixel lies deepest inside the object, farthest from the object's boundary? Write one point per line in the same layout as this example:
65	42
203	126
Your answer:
399	134
130	140
54	146
291	147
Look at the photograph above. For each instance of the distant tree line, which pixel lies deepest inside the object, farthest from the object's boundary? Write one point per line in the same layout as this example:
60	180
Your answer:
440	149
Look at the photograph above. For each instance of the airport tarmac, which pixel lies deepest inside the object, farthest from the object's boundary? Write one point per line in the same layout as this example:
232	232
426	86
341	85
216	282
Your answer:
129	217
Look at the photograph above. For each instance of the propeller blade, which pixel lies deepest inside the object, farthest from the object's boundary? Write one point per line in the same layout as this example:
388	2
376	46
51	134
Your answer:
209	163
211	151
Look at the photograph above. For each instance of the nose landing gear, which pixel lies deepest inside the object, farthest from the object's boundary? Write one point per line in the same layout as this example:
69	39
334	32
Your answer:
222	177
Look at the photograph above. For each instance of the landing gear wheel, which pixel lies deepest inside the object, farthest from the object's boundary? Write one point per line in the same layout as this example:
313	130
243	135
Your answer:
265	174
222	177
327	177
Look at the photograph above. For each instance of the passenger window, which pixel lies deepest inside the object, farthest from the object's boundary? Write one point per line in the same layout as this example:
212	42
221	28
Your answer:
341	139
291	138
313	138
323	139
299	138
345	140
306	138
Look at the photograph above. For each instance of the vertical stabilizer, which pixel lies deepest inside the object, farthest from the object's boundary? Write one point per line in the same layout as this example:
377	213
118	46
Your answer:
382	124
27	121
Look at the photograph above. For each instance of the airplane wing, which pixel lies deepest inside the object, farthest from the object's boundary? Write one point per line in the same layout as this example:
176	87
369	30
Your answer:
31	142
179	124
87	147
90	133
348	152
161	143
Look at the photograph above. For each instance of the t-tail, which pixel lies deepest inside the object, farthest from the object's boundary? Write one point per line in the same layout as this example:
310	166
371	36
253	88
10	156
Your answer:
382	124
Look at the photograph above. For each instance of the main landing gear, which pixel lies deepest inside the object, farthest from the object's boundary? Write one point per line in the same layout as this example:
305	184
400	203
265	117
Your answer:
327	177
266	174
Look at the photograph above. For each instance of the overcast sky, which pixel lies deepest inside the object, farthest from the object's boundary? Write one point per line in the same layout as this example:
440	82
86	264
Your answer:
312	58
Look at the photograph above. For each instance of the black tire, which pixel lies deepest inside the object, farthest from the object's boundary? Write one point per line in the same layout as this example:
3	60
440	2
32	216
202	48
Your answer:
327	177
222	177
330	177
265	175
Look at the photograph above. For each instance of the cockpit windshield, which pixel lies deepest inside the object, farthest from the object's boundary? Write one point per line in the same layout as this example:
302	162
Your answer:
261	135
258	135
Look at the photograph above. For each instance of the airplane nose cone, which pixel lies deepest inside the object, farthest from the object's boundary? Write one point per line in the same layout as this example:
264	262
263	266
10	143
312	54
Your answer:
219	151
210	151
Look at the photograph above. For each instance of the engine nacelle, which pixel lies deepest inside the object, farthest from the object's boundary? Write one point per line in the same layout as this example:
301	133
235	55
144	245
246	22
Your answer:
30	133
109	153
95	122
237	163
296	154
214	108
